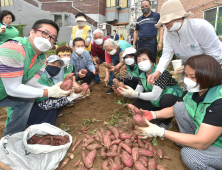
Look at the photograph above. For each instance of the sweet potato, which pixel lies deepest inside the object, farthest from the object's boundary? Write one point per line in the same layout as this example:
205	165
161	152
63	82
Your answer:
77	164
160	153
112	154
107	132
74	141
166	157
99	134
70	155
117	69
144	152
144	160
117	160
67	82
139	121
119	149
64	163
40	140
107	141
107	65
103	153
152	164
135	154
115	142
114	131
98	61
76	144
140	143
77	88
87	136
135	145
90	159
93	147
139	166
128	142
113	148
115	166
161	167
124	136
46	142
112	137
115	83
97	139
84	71
121	84
86	142
127	159
126	147
105	165
127	168
97	68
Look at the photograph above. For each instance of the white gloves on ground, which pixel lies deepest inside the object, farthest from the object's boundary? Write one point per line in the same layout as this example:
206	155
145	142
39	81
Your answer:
151	131
56	92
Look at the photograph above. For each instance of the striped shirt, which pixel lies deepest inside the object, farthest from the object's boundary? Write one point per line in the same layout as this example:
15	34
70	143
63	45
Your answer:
12	61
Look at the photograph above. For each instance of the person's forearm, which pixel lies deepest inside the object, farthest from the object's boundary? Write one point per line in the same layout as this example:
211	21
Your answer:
107	73
150	96
135	37
165	113
119	65
161	35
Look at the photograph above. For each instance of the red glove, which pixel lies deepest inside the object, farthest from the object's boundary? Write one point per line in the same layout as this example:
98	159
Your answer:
149	115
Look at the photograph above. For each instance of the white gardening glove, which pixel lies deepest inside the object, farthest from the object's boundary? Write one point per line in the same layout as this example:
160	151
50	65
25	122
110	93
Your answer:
127	92
56	92
151	131
179	70
73	96
128	76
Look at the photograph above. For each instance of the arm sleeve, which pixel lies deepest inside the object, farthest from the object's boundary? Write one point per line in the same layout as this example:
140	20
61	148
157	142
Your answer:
139	88
89	35
52	103
13	87
167	55
150	96
107	57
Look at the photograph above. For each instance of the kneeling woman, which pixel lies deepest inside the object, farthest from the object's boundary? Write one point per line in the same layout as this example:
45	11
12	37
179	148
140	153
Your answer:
164	93
47	109
198	115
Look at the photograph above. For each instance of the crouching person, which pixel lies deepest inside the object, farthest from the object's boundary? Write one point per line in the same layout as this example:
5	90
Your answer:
198	116
46	110
82	62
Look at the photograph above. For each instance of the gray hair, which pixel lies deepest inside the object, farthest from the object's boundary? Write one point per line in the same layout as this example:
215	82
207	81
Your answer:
111	42
97	31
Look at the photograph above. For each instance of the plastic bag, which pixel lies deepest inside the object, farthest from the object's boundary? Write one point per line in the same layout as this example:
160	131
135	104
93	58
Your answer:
17	154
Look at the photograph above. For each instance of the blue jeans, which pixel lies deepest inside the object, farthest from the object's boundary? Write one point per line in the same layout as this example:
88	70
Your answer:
96	78
115	61
151	44
20	115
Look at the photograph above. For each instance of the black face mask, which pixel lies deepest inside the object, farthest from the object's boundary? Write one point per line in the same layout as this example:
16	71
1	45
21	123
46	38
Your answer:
52	70
146	10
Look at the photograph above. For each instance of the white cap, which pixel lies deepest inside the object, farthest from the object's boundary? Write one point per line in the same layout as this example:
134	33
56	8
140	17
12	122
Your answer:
80	18
129	50
53	58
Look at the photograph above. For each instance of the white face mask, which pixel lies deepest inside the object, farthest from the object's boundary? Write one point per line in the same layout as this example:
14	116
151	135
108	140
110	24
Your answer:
112	52
129	61
145	65
176	26
81	24
66	61
80	50
192	86
99	41
42	44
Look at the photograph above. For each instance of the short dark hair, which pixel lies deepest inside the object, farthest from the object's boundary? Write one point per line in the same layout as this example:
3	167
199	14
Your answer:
114	30
5	13
77	39
208	71
80	14
38	24
144	50
146	0
107	33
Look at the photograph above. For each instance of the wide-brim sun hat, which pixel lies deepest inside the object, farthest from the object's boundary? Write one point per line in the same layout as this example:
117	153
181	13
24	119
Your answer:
52	58
80	18
171	10
129	50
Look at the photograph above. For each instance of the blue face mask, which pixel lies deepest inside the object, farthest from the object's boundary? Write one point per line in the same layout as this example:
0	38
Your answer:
52	70
59	77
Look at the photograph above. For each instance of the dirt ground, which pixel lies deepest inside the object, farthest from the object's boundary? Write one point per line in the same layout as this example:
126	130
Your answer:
102	108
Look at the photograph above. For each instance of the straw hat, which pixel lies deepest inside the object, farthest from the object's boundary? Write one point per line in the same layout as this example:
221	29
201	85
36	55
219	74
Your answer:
171	10
80	18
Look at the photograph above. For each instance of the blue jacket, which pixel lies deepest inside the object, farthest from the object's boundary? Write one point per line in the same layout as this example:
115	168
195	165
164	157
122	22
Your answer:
116	37
82	62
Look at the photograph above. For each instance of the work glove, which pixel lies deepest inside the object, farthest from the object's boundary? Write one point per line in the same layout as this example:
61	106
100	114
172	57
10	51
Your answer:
151	131
74	96
174	75
179	70
127	92
128	76
149	115
56	92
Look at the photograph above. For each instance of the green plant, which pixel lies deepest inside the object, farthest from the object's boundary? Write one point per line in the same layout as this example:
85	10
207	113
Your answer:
20	27
61	43
50	52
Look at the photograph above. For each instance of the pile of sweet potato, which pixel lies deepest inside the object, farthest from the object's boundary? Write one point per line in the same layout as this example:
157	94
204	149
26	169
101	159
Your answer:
49	140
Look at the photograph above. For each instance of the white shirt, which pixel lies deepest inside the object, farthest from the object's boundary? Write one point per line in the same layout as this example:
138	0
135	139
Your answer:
196	36
114	36
79	33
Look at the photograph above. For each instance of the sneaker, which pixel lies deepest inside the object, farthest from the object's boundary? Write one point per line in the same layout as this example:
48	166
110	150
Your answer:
94	83
165	126
109	91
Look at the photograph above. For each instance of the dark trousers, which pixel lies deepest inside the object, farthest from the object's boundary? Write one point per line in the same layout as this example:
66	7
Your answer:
167	100
130	83
88	78
151	44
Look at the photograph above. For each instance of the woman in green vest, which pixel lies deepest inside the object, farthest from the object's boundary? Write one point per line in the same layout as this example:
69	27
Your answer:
64	52
198	116
7	31
164	93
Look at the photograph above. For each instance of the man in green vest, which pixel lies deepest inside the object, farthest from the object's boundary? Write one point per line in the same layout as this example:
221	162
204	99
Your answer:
22	62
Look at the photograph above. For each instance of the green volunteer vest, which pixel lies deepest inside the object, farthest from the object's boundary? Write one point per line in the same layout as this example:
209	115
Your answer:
68	70
28	73
198	112
11	32
135	71
175	90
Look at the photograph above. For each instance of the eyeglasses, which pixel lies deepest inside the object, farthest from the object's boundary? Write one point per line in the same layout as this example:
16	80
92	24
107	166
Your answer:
46	35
